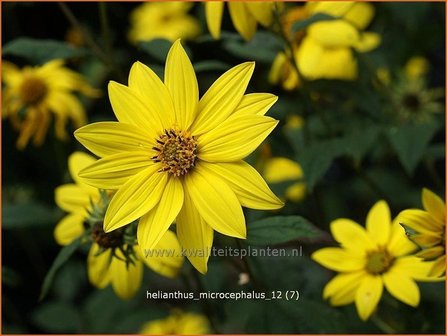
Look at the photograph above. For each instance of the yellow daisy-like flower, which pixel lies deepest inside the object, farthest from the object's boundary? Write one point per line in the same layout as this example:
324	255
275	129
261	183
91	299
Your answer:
370	259
178	323
172	155
168	20
245	16
31	94
429	227
106	263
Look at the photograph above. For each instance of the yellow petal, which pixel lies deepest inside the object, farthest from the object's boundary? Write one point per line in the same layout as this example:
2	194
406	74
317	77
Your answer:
112	171
420	221
399	244
108	138
11	75
402	287
166	258
156	222
261	11
296	192
214	12
438	268
153	92
248	185
216	203
335	33
333	8
368	41
195	235
222	98
126	280
360	14
431	253
135	198
255	103
426	239
72	198
433	204
129	109
368	296
281	169
242	19
78	161
342	288
338	259
181	81
98	266
351	235
308	57
413	267
69	228
378	223
235	138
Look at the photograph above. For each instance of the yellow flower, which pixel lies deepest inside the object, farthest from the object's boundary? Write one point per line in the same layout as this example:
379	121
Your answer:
167	20
245	16
416	67
106	262
30	96
178	323
172	156
370	259
280	169
429	227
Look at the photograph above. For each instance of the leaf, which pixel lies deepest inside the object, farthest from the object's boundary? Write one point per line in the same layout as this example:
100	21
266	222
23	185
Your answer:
159	48
303	24
56	317
359	141
280	229
41	51
65	253
410	143
28	214
210	65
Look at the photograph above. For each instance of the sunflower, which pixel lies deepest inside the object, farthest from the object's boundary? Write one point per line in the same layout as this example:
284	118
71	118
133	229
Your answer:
426	228
106	261
30	96
171	156
178	323
370	259
245	16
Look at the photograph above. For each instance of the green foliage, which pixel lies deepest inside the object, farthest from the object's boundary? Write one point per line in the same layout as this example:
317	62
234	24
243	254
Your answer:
303	24
28	214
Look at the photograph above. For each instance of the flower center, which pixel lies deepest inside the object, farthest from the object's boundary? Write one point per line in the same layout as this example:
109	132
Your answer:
177	151
33	90
411	101
106	240
379	262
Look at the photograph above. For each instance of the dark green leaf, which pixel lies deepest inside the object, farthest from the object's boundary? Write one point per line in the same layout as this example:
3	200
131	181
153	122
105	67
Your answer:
210	65
303	24
41	51
28	214
57	317
359	141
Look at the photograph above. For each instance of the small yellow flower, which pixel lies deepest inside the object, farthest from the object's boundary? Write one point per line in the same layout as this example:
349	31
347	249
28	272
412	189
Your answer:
30	96
370	259
178	323
167	20
173	156
245	16
429	227
416	67
106	262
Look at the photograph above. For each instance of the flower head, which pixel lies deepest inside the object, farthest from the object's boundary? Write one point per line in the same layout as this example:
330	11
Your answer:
426	228
30	96
168	20
173	156
370	259
178	323
245	16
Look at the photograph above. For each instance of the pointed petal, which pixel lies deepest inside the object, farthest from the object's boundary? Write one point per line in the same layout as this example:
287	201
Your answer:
368	296
216	203
112	171
108	138
242	19
214	13
156	222
135	198
181	81
433	204
414	267
402	287
342	288
378	223
335	33
255	103
281	169
368	41
235	138
195	235
72	198
338	259
98	266
351	235
399	244
421	221
222	98
78	161
69	228
438	268
126	280
360	14
261	11
248	185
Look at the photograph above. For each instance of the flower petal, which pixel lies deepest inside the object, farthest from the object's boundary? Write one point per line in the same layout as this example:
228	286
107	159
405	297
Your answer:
334	33
156	222
235	138
281	169
414	267
72	198
255	103
438	268
342	288
351	235
181	81
242	19
261	11
69	228
98	270
433	204
214	13
399	244
402	287
338	259
368	296
126	279
248	185
195	235
378	223
421	221
112	171
360	14
78	161
222	98
368	41
216	203
135	198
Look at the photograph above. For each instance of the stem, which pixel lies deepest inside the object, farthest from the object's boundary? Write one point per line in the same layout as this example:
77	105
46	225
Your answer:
383	325
247	266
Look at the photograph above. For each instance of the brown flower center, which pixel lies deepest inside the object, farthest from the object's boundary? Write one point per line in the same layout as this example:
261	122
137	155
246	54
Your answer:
379	262
411	101
33	90
177	151
106	240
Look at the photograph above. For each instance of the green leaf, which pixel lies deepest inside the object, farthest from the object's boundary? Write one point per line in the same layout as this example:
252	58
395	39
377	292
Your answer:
410	143
158	49
41	51
56	317
210	65
65	253
28	214
280	229
359	141
303	24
